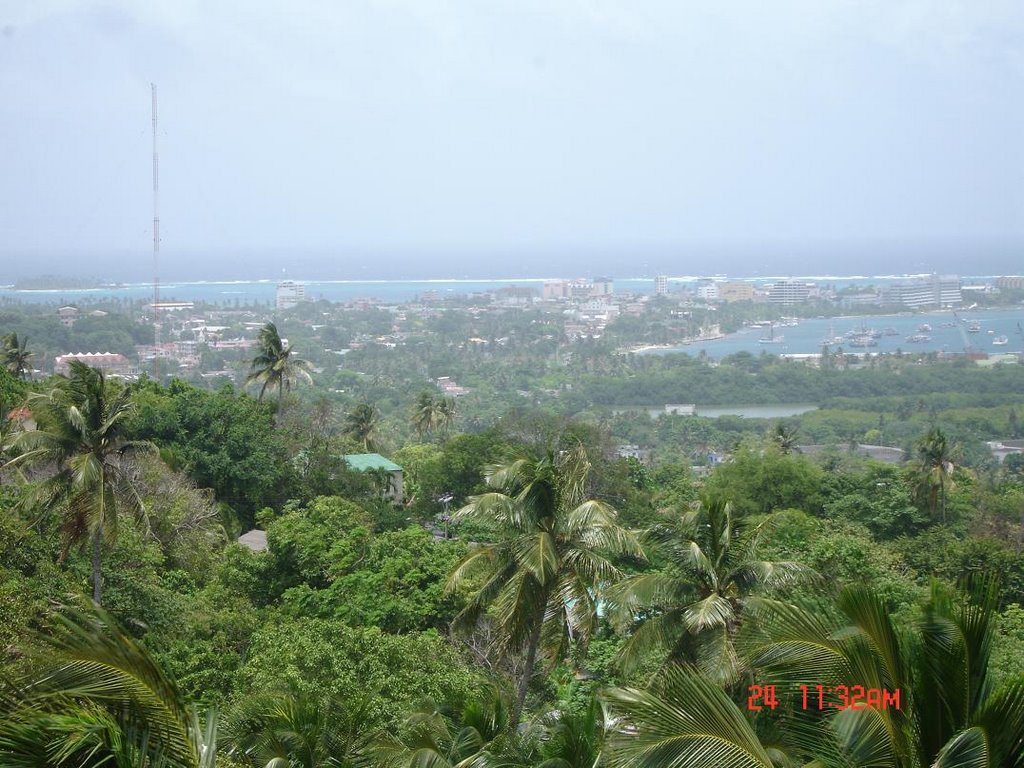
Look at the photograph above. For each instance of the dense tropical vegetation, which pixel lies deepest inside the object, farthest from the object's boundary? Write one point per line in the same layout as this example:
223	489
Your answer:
536	599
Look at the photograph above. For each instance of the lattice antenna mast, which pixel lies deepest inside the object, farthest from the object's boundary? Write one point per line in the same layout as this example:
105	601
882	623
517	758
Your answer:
156	242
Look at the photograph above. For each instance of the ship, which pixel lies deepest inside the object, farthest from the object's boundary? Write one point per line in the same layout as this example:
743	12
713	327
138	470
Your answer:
863	340
1000	341
924	328
919	338
771	338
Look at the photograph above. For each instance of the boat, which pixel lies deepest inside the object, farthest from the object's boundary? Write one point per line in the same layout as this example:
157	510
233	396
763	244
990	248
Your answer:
924	328
918	338
1000	341
771	338
974	327
863	340
890	332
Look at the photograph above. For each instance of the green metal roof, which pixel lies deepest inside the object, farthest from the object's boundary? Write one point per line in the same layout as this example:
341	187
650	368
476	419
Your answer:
365	461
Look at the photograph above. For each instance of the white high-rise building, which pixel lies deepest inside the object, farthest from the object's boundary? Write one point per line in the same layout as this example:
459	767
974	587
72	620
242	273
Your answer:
290	293
788	292
660	285
707	290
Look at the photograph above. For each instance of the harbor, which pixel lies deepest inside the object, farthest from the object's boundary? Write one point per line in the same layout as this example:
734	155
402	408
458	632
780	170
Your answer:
990	331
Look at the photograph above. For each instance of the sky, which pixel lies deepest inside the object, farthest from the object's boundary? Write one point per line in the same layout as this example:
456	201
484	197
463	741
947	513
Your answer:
435	138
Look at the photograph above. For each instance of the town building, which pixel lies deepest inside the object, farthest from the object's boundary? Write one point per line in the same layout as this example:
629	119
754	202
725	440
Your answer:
602	286
112	363
374	462
556	289
1012	282
735	291
67	316
660	285
788	292
290	294
707	290
931	291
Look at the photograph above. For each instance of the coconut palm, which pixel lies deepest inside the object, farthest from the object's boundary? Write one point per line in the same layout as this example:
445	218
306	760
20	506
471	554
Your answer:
686	720
784	437
426	413
80	438
541	577
934	469
9	428
361	424
446	412
693	607
276	364
293	730
99	698
17	356
948	715
471	733
575	739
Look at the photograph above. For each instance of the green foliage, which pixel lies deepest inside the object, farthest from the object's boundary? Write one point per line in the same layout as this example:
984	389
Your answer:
224	441
397	584
760	478
331	659
310	543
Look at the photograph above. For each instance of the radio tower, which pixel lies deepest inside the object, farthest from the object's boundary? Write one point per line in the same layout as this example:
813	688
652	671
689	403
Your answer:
156	246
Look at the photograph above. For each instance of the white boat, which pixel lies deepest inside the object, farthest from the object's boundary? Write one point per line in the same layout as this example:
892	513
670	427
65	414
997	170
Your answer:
1000	341
919	338
863	340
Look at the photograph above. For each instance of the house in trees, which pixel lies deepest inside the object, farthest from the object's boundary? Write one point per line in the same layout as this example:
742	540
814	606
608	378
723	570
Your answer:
390	474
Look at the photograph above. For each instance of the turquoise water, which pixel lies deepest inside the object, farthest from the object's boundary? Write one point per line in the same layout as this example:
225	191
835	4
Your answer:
246	291
807	337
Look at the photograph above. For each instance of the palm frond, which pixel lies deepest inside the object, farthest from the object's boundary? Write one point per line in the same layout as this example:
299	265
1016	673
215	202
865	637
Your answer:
689	721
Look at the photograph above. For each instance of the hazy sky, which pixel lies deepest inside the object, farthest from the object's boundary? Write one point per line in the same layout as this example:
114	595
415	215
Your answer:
451	127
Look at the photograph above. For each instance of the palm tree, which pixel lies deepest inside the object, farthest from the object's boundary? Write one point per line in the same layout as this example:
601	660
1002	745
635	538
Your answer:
446	412
295	731
16	356
541	578
425	413
693	607
468	734
784	437
361	424
934	469
575	739
948	714
81	437
99	698
275	364
9	428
